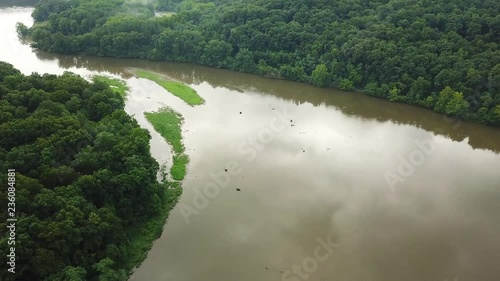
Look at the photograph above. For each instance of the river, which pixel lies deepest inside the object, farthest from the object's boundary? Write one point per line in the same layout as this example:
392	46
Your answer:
334	186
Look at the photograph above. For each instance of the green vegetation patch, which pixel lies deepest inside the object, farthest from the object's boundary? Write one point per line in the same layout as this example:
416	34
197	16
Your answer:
184	92
117	85
168	123
179	167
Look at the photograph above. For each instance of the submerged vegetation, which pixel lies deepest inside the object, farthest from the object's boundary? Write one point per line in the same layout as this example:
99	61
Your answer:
184	92
168	123
88	204
116	85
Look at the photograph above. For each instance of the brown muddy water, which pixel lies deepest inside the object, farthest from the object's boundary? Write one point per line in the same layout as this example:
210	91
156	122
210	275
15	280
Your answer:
334	186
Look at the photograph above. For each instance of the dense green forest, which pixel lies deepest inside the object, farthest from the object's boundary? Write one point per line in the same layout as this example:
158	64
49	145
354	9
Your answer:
442	55
88	203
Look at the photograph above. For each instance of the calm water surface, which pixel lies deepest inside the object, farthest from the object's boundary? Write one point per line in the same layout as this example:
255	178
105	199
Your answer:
404	193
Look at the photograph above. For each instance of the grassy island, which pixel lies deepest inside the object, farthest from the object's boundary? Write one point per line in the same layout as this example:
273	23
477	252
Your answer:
184	92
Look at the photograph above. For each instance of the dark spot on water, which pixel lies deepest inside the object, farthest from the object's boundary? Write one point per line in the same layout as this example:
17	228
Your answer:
237	189
225	170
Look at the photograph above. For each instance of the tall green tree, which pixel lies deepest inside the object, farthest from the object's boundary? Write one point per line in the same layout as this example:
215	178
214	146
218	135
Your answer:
320	75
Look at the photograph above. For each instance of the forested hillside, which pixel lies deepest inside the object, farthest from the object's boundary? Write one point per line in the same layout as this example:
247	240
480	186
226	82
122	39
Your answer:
439	54
85	181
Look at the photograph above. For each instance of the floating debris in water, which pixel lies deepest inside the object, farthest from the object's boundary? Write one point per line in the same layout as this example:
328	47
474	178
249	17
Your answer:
275	270
237	189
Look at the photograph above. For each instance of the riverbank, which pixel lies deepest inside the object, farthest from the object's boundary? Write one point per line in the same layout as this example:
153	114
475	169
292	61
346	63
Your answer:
143	235
305	50
289	198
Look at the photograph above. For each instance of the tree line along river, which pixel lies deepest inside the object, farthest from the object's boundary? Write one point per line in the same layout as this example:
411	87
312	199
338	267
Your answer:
402	192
